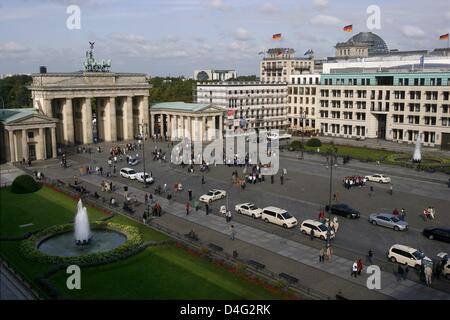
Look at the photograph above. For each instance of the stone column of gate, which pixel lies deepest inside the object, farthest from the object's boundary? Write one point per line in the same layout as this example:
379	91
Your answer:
24	145
169	126
189	128
128	118
143	110
54	150
12	146
220	127
41	145
175	127
67	122
86	119
152	125
110	125
47	107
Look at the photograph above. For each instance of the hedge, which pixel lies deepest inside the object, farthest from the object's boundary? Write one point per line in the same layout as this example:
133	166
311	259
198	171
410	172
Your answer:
314	142
29	247
24	184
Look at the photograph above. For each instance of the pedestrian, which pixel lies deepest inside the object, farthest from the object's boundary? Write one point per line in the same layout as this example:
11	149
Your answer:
371	191
311	234
395	212
233	232
400	273
390	190
370	256
151	198
190	194
188	205
354	269
403	214
203	179
281	179
146	199
329	252
360	266
228	216
405	274
271	179
322	255
428	273
207	208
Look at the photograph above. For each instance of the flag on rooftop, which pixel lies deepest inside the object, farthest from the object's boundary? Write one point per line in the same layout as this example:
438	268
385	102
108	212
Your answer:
261	52
348	28
444	37
422	61
310	51
276	36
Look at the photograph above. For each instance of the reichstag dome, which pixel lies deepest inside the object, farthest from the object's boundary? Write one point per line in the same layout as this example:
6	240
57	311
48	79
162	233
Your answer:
375	43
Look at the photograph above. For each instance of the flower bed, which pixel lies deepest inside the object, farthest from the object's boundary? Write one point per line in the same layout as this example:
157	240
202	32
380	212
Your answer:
29	247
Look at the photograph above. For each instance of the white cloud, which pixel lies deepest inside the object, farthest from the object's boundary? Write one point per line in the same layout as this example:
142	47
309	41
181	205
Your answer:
324	20
412	32
269	8
320	3
242	34
220	5
12	48
128	38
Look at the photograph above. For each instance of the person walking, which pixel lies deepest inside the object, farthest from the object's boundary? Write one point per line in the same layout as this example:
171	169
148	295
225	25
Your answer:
146	199
329	253
360	266
390	190
354	269
207	208
282	179
203	180
322	255
232	232
370	256
150	197
311	235
403	214
188	205
271	179
190	194
228	216
428	273
405	273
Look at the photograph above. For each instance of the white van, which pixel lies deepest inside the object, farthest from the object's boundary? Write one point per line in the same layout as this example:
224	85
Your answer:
320	229
405	255
278	216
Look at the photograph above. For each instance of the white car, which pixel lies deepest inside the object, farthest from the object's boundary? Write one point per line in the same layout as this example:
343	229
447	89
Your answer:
405	255
213	195
320	229
128	173
378	178
278	216
140	178
248	209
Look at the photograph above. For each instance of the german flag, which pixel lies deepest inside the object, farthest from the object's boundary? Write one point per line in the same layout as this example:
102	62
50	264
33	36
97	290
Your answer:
276	36
348	28
444	37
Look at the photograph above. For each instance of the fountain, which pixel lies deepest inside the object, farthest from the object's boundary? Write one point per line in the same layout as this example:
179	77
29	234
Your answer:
82	228
417	156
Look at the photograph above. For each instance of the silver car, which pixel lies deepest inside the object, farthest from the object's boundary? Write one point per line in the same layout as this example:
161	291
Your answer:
388	220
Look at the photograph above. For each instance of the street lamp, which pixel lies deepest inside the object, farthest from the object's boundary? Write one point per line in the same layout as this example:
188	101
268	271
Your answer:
332	161
3	102
144	130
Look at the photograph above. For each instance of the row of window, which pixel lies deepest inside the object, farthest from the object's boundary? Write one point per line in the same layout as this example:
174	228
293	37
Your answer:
253	102
300	100
301	110
390	81
301	90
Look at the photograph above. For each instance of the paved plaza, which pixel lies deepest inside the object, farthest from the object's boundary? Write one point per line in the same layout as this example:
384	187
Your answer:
303	194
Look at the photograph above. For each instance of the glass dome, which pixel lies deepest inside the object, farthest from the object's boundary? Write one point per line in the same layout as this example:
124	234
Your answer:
375	43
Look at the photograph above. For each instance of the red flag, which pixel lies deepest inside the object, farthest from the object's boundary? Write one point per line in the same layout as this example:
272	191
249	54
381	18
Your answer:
444	37
348	28
276	36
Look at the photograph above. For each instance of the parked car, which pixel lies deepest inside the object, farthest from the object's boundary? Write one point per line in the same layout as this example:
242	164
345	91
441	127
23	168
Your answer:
133	162
407	256
249	209
213	195
445	264
278	216
378	178
388	220
320	229
128	173
438	233
140	178
344	210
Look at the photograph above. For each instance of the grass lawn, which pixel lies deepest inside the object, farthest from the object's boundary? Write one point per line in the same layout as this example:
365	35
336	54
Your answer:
360	153
157	273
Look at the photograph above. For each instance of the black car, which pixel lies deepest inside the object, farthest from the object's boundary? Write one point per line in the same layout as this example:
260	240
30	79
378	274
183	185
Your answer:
442	234
344	210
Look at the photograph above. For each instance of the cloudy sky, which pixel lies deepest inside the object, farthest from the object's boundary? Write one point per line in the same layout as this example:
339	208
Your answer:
174	37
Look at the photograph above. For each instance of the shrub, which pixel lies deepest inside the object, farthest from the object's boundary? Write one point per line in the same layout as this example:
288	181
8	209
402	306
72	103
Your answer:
24	184
296	145
314	142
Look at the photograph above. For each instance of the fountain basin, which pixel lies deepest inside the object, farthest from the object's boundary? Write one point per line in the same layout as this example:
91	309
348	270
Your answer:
64	245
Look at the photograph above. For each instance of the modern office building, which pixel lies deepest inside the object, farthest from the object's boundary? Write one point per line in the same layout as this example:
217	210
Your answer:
214	75
396	105
280	63
249	105
302	104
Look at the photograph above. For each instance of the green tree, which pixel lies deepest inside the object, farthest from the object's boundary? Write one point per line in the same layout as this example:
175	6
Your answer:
14	92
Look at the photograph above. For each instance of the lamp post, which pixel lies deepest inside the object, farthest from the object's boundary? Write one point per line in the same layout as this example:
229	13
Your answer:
331	163
144	131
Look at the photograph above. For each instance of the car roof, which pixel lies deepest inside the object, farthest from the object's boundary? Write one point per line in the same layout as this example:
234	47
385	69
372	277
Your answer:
388	215
404	248
313	222
276	209
128	169
441	228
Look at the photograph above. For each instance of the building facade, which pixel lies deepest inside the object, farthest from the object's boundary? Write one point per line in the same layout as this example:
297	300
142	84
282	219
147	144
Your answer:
176	120
281	63
214	75
92	106
302	104
249	105
26	134
396	106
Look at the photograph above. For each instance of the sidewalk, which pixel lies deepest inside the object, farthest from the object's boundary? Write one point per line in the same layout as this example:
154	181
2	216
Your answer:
339	267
